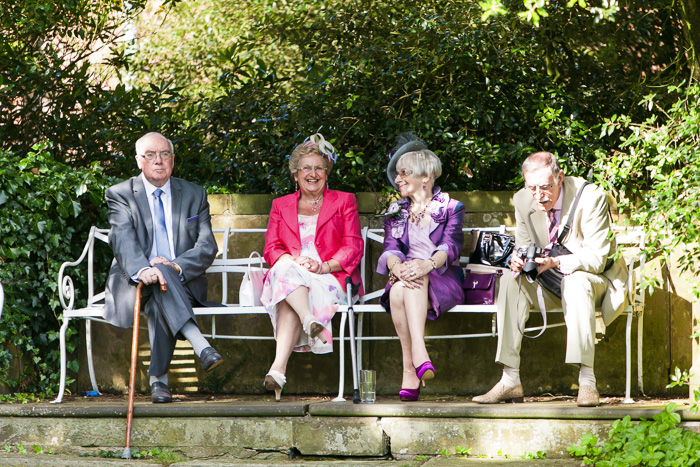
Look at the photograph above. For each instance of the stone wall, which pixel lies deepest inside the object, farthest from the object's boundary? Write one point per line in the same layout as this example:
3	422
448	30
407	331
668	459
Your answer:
464	367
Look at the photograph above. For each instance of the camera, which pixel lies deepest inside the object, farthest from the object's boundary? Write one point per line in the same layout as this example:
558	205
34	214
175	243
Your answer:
529	254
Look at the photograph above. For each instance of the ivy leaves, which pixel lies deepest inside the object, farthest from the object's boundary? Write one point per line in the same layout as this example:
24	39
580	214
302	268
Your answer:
658	442
46	209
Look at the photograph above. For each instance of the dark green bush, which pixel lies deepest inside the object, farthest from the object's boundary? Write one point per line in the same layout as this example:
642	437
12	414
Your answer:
46	209
483	94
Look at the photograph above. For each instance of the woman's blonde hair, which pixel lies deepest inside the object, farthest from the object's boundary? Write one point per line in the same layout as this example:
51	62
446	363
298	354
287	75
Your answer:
422	163
314	144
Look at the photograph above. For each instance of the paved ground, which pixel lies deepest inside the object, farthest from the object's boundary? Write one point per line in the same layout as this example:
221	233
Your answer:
46	460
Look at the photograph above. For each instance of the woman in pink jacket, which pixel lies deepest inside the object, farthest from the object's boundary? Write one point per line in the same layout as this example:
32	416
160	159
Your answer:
313	243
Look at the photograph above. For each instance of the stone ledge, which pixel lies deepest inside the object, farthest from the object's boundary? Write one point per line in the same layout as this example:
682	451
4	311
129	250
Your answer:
530	410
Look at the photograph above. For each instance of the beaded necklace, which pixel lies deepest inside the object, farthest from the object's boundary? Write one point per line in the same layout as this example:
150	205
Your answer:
417	218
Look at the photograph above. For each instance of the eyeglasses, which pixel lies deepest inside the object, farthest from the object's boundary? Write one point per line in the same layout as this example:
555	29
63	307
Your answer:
150	155
308	169
404	173
534	188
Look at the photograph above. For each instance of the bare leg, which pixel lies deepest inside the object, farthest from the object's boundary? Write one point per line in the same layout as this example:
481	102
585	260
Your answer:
288	329
298	300
409	309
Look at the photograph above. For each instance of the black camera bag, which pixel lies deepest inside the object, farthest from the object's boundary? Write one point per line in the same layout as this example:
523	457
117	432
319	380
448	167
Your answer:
551	278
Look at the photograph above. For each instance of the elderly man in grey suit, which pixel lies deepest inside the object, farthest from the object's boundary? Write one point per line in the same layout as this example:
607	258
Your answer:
592	278
160	234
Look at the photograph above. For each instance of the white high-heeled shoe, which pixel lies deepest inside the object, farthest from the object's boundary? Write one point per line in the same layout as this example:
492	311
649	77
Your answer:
313	328
274	381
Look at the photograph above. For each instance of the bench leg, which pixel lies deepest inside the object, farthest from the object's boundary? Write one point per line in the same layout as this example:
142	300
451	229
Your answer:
341	345
628	359
640	367
88	345
62	340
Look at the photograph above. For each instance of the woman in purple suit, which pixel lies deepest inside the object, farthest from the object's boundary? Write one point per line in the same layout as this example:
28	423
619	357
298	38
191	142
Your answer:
422	241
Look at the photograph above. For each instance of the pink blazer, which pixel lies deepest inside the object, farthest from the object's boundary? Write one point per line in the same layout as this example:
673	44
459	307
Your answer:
337	233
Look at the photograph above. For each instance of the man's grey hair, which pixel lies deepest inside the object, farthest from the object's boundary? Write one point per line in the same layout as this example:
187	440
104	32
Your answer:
140	142
541	159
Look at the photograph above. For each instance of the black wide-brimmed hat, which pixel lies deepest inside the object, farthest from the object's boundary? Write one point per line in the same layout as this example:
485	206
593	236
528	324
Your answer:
405	142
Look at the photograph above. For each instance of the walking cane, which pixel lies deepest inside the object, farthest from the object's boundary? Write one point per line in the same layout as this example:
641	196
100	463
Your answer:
126	454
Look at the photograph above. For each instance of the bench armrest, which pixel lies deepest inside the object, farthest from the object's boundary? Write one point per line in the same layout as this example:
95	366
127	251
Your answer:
66	288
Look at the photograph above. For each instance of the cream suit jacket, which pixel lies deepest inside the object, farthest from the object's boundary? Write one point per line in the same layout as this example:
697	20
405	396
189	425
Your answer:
589	239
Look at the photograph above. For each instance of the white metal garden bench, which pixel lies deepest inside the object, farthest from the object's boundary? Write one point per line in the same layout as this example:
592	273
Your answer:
632	238
94	307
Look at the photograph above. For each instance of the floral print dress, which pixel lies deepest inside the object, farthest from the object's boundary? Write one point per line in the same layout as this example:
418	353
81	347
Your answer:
325	293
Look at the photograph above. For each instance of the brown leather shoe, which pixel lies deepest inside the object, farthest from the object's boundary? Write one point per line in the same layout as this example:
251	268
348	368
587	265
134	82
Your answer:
588	396
500	393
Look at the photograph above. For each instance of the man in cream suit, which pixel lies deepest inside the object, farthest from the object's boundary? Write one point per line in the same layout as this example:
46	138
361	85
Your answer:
591	277
160	234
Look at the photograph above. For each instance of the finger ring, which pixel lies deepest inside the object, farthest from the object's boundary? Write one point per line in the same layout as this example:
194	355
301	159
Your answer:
413	274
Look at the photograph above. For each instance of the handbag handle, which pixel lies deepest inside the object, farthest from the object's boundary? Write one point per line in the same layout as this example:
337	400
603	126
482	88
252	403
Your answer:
250	260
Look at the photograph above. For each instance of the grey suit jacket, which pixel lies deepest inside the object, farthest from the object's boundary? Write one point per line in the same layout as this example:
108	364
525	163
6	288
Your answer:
588	240
131	239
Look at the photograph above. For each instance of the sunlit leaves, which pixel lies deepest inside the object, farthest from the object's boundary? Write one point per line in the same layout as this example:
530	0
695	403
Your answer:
657	172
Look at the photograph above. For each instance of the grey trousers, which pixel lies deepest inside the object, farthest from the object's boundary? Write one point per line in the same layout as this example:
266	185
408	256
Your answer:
582	292
167	313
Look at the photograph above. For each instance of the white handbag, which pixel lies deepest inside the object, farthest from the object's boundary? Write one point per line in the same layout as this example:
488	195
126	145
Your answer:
252	283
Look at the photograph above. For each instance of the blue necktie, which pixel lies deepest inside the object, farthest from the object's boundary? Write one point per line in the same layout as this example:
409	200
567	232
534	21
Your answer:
161	232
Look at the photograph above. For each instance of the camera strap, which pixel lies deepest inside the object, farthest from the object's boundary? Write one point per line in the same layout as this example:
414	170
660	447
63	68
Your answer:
562	235
543	310
572	211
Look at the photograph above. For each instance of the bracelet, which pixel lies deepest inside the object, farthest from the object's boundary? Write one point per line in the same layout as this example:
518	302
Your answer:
432	261
392	278
329	266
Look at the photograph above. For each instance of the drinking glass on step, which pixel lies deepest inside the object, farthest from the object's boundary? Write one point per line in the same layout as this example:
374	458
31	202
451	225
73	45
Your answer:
368	386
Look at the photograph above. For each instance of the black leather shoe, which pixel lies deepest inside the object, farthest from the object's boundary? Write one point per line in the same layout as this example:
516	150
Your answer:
160	393
210	359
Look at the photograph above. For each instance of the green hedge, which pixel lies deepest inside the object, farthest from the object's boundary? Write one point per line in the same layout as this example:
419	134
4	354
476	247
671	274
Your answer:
46	209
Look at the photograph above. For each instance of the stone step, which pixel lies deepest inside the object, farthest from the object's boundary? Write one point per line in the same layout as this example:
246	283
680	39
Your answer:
265	431
42	460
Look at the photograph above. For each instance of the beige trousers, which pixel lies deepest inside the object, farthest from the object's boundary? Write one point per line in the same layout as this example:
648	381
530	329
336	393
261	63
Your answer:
582	292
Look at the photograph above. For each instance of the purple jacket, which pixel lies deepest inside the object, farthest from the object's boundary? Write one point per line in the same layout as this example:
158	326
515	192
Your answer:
445	289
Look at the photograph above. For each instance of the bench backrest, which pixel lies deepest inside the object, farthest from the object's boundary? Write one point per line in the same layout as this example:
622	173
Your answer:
631	239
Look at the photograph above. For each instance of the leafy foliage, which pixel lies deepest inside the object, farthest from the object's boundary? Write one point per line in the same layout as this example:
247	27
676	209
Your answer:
46	209
483	95
660	442
655	171
64	69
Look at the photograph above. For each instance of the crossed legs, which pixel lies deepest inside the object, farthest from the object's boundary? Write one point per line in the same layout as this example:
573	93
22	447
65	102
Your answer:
293	316
290	314
409	309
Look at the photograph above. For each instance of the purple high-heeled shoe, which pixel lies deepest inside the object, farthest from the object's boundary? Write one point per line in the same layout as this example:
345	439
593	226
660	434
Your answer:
425	371
409	395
